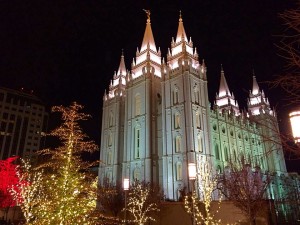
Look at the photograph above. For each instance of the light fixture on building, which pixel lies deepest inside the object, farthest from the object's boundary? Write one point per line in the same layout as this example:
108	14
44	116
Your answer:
192	171
295	124
126	184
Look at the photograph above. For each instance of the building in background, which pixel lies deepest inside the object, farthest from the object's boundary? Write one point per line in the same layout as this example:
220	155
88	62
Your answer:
157	119
23	120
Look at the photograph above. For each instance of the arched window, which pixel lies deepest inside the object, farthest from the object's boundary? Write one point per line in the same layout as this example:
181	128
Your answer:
199	143
177	143
175	96
109	139
178	171
109	158
137	143
111	119
226	154
177	120
138	105
137	174
196	95
198	120
109	177
217	152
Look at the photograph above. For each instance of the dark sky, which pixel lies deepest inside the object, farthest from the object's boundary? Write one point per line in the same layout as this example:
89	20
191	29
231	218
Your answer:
68	50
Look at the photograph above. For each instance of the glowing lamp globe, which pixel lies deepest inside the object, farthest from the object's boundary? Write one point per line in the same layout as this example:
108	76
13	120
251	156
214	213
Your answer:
295	123
192	171
126	184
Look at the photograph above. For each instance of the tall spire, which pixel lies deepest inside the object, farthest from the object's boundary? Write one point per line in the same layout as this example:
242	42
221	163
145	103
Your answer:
122	68
148	59
257	102
148	39
255	87
181	32
226	100
223	89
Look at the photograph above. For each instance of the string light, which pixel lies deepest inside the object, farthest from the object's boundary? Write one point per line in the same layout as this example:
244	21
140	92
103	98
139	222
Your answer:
207	184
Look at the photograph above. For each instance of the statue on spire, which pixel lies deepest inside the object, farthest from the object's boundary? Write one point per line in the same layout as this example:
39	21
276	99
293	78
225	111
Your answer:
147	11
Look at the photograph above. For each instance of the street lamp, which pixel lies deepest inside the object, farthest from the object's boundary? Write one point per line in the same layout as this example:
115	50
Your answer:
295	124
192	177
125	188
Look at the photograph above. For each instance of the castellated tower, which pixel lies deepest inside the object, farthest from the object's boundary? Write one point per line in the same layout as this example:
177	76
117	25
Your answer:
157	119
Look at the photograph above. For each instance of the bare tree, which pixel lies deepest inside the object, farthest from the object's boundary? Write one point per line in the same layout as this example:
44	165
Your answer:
111	198
246	187
289	50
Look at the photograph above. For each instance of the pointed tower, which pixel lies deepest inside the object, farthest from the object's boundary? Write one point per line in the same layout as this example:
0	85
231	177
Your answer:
182	52
112	133
257	102
225	99
185	114
143	113
148	59
261	112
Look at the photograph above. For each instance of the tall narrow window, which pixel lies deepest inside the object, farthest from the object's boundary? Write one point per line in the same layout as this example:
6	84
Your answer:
178	171
217	153
226	153
177	143
137	143
198	123
137	174
109	141
109	158
137	105
196	95
176	121
111	119
175	96
199	143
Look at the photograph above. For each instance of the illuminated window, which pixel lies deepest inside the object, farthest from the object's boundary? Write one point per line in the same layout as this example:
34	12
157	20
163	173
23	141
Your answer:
176	121
199	143
137	144
177	143
217	153
178	171
137	105
198	123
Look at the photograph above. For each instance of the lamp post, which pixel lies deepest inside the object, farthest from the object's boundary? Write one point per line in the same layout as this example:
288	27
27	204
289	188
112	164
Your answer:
295	124
192	177
125	188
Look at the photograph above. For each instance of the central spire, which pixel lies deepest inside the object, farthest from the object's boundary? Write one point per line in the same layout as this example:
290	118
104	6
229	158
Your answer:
181	32
148	40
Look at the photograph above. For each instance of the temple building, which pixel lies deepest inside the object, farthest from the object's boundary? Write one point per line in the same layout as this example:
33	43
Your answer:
157	119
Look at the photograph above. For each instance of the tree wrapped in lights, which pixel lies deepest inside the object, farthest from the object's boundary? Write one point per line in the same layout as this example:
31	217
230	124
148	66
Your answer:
28	192
143	201
206	183
70	188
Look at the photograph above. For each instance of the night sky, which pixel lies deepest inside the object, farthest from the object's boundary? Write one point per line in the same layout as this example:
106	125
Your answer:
68	50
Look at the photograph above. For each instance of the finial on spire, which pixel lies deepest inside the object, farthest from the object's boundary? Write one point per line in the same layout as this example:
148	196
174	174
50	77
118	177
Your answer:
122	52
148	13
180	16
222	68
